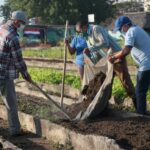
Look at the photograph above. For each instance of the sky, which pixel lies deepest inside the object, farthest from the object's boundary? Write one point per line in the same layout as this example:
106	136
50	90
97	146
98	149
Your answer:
1	3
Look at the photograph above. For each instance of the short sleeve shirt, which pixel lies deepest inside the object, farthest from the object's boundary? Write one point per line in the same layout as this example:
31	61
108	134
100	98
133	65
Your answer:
140	40
79	44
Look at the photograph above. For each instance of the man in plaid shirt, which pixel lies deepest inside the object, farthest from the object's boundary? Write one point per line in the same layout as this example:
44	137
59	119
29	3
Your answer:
11	63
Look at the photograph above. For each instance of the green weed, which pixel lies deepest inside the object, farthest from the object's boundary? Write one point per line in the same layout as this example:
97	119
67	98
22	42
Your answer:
52	76
51	53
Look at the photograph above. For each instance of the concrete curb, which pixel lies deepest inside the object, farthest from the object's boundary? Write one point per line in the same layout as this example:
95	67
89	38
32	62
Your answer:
61	135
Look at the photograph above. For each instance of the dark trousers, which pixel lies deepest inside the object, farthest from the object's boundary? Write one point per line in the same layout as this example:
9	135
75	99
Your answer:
7	91
143	83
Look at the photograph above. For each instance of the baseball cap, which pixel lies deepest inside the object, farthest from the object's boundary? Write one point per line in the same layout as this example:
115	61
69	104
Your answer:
19	15
122	20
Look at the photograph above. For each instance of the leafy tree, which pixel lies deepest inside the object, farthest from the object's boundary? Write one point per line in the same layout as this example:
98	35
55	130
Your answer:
57	11
101	8
5	11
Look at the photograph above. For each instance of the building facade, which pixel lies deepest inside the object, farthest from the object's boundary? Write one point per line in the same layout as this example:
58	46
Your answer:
136	6
147	5
122	1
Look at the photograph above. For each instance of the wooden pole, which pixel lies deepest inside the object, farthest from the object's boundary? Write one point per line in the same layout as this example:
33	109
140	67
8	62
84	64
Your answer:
64	70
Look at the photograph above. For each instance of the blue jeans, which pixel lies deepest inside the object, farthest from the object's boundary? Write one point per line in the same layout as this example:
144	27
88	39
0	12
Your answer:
143	83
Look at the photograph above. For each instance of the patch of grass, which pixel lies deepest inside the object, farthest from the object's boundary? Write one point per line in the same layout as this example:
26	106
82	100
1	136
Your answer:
119	92
51	53
51	76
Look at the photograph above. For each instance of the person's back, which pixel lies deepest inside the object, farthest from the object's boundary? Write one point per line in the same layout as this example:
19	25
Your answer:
8	35
141	42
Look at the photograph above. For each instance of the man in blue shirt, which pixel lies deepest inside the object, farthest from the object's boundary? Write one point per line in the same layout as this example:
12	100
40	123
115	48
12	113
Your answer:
138	42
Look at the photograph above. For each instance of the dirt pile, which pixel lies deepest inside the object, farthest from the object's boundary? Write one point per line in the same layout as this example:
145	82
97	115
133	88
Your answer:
89	91
131	133
38	107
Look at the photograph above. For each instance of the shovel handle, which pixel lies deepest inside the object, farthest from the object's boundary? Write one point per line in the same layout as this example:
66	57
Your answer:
50	99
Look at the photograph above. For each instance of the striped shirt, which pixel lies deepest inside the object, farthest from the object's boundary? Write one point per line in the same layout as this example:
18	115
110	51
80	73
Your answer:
11	60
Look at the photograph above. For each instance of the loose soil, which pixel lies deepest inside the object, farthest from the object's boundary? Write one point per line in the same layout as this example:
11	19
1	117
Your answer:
38	107
89	92
130	133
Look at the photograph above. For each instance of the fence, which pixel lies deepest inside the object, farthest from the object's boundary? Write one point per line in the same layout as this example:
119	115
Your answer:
36	34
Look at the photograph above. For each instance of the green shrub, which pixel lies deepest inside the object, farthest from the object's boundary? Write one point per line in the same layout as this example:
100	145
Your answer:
52	76
118	91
